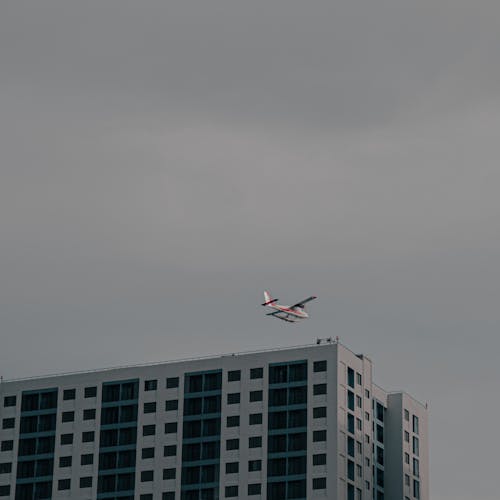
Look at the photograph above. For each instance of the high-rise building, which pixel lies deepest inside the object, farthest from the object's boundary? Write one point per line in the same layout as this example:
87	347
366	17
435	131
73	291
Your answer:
304	423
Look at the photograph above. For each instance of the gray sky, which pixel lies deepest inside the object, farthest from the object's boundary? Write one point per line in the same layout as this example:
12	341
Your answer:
161	163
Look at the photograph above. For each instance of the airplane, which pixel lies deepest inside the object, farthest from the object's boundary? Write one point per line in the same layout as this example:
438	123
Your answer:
287	313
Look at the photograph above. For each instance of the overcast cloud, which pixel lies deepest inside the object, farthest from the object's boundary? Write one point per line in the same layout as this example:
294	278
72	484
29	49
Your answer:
161	163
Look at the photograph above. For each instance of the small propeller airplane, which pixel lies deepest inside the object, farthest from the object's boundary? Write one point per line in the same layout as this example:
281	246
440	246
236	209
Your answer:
287	313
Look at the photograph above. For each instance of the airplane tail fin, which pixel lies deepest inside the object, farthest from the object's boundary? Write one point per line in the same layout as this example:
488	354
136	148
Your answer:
268	299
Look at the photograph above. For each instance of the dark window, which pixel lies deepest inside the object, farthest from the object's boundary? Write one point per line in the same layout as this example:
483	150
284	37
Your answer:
297	372
278	374
350	470
277	397
66	438
5	490
90	392
172	382
233	375
255	418
169	473
350	423
6	468
231	491
149	430
88	437
319	366
232	444
7	445
150	385
87	459
319	483
254	489
69	394
276	467
86	482
146	476
150	407
213	381
380	455
233	398
297	395
350	446
319	459
319	436
171	404
171	428
168	495
233	421
9	401
297	418
89	414
255	396
415	424
170	451
8	423
380	434
232	467
297	489
65	461
350	377
254	465
350	400
144	496
255	442
297	442
148	453
68	416
256	373
64	484
319	412
359	378
380	412
319	389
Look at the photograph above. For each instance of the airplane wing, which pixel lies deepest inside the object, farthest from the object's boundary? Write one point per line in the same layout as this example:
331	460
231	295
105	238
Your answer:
305	301
282	316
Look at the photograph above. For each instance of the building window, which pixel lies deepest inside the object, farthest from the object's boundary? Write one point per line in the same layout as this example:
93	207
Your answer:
86	482
416	488
170	451
68	416
87	459
6	468
150	407
359	401
350	446
233	375
150	385
149	430
255	418
367	393
415	424
350	470
147	453
9	401
407	458
319	436
359	424
379	412
319	412
89	414
319	366
88	437
350	423
350	377
168	495
65	461
5	490
359	379
256	373
254	489
233	398
416	447
319	389
169	473
66	439
407	480
231	491
232	444
407	415
64	484
146	496
233	421
8	423
147	476
254	465
171	428
90	392
319	459
416	467
232	467
172	382
69	394
255	442
319	483
171	404
407	436
350	400
7	445
255	396
380	434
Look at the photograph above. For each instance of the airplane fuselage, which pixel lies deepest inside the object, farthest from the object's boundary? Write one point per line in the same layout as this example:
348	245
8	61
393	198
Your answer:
297	312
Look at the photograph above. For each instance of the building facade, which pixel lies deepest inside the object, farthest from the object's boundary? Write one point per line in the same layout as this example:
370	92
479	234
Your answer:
302	423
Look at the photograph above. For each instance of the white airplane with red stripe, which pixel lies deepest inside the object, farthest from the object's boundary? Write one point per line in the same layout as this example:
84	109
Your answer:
287	313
